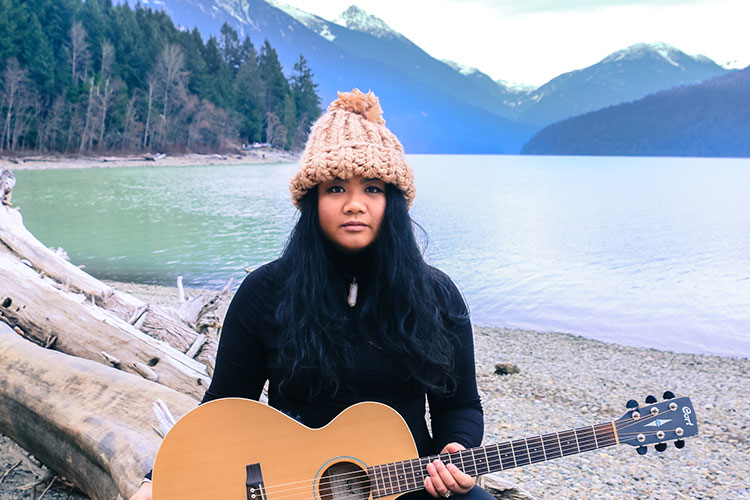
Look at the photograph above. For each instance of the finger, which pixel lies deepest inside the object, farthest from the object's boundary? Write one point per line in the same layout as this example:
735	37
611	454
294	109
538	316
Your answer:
452	448
436	477
430	488
446	476
465	481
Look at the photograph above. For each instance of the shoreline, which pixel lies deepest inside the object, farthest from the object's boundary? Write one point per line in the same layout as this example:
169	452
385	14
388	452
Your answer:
567	381
147	160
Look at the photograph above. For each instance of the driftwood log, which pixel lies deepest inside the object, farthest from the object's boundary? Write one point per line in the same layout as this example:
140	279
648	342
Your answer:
88	422
86	411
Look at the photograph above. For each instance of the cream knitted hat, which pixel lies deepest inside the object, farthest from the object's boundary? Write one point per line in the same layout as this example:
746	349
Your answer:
352	139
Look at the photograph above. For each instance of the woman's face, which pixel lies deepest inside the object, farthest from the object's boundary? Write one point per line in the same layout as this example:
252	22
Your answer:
351	211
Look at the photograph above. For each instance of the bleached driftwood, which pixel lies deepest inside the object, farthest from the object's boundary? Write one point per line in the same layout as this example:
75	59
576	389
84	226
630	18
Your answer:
88	422
82	329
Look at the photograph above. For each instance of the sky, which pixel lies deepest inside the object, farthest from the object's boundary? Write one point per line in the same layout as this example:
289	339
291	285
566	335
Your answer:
532	41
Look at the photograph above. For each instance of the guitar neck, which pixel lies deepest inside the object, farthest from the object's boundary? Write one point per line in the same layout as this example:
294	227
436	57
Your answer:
409	475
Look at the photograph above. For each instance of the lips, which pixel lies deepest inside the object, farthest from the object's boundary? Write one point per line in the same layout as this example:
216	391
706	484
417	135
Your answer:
354	224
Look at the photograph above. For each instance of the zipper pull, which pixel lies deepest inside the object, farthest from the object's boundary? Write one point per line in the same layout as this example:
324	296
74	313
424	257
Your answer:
353	288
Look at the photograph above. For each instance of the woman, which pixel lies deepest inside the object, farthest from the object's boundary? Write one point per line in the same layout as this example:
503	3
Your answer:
351	312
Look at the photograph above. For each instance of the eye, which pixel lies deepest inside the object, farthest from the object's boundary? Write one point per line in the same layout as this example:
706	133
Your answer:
374	189
335	189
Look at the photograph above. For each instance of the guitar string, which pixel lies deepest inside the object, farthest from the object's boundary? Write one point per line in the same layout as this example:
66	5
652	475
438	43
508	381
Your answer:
532	458
503	448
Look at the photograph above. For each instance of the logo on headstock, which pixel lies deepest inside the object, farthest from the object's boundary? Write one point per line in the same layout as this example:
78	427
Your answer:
657	423
686	411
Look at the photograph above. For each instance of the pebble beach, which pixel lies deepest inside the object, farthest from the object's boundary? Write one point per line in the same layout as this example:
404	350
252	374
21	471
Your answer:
566	381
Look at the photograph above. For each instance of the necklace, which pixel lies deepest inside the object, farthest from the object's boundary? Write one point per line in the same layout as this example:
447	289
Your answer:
353	288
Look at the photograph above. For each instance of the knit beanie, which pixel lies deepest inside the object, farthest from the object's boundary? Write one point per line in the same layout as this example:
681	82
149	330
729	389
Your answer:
351	139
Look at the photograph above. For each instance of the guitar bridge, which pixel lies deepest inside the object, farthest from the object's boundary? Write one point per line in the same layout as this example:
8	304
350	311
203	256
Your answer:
254	482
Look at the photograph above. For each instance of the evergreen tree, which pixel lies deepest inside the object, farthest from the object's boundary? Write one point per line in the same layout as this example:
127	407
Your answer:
230	48
306	100
250	95
276	85
219	88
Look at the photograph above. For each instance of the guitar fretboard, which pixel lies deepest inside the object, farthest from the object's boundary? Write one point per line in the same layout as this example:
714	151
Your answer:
409	475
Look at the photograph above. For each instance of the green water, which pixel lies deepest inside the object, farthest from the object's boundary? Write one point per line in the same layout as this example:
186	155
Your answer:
150	225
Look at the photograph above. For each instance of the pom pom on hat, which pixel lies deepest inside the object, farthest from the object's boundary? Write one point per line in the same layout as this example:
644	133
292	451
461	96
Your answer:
352	139
367	105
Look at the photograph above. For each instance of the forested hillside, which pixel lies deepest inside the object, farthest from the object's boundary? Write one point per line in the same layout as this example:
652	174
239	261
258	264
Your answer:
707	119
79	77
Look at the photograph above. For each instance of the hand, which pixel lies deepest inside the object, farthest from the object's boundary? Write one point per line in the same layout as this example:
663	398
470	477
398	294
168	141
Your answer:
447	478
143	493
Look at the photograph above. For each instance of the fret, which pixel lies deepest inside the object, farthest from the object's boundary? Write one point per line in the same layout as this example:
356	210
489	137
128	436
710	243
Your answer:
493	458
528	452
568	443
487	464
463	465
552	447
373	476
413	474
585	439
402	486
596	441
384	479
473	464
507	458
536	449
389	471
521	452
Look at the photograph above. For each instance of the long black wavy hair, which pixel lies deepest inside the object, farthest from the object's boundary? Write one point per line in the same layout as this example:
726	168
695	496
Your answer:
402	307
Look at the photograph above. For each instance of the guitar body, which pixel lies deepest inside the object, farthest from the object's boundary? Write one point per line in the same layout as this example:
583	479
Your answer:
207	453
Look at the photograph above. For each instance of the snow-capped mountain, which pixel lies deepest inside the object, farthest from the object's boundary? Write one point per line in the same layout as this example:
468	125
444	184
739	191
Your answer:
512	95
711	118
437	106
430	106
623	76
357	19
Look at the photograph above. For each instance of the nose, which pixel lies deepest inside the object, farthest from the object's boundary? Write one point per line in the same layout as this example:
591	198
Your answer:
355	203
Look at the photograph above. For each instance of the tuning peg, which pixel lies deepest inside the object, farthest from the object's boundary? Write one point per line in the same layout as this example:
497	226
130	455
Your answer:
650	399
632	404
679	444
660	447
668	395
641	450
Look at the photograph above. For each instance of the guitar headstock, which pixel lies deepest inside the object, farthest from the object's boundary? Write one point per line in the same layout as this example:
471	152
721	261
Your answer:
657	422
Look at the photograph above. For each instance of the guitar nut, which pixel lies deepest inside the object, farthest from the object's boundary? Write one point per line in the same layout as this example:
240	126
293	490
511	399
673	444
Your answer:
636	415
654	411
641	438
679	431
673	406
660	435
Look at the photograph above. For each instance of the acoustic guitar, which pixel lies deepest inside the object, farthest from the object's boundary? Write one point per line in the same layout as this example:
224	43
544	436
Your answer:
237	449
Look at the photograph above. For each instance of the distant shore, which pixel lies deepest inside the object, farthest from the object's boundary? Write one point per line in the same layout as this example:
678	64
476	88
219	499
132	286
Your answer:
566	381
147	160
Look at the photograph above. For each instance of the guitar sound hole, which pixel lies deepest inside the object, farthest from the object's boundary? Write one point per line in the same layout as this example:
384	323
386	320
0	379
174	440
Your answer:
344	481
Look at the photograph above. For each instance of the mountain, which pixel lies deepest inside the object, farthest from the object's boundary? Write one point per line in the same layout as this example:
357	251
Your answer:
438	106
623	76
706	119
430	106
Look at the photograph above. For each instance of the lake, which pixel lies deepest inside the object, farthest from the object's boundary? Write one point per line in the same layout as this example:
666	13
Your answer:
650	252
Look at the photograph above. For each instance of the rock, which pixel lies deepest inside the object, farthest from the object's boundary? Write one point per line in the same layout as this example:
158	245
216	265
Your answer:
506	369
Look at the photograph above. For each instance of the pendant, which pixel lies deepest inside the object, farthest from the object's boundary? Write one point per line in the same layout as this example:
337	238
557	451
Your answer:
353	288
